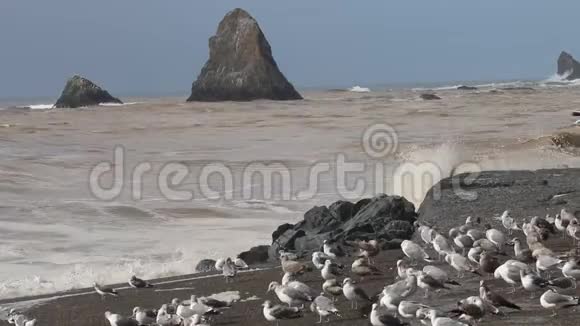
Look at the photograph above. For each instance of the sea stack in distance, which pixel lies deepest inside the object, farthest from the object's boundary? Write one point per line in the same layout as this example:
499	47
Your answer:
80	91
240	65
568	65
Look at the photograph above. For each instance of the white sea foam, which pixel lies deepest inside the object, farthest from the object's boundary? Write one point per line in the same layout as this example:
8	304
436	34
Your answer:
358	89
40	106
118	104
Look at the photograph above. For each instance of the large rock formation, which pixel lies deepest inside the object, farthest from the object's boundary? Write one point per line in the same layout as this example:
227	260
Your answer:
387	218
524	193
80	91
240	65
568	65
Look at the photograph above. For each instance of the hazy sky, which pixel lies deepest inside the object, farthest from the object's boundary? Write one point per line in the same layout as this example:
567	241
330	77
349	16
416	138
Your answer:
159	46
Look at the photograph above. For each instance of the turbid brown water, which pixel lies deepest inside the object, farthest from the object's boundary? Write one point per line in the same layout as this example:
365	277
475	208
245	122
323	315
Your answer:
57	235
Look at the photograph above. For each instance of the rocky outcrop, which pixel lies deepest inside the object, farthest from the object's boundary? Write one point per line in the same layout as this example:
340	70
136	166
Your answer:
567	65
430	97
524	193
387	218
80	91
240	65
256	255
205	265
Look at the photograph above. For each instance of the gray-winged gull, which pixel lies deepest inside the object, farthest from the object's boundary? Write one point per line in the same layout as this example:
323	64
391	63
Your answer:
442	246
460	264
368	249
275	313
547	264
427	283
554	300
571	269
318	259
474	254
144	316
438	274
508	222
414	251
104	291
288	295
118	320
362	268
473	307
522	254
229	270
488	263
197	320
476	234
496	237
436	320
510	272
332	287
353	293
464	242
138	283
332	251
408	309
324	307
330	270
291	266
532	282
395	293
164	318
494	299
379	317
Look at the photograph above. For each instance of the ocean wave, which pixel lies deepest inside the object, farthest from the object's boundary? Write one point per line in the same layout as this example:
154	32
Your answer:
358	89
40	106
118	104
263	205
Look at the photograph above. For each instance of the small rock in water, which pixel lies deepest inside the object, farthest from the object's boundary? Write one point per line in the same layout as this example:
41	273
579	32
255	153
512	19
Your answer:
430	97
205	265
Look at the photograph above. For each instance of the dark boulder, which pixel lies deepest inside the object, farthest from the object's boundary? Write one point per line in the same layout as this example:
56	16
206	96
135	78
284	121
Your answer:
205	265
523	193
80	91
430	97
466	88
567	65
240	65
256	255
386	218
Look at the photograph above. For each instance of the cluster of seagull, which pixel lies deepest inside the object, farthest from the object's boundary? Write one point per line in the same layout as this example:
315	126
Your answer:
468	248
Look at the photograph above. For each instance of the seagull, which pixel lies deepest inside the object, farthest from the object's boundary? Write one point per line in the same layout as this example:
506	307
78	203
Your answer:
573	230
277	312
426	282
547	263
332	287
414	251
240	263
408	309
474	254
196	320
442	246
293	267
496	237
495	299
138	283
425	232
562	221
393	294
166	319
488	263
508	222
532	282
214	303
118	320
571	269
318	259
510	272
219	264
289	255
521	254
563	282
433	315
144	316
361	267
288	295
103	292
229	270
401	269
460	264
476	234
438	274
332	251
330	271
353	293
380	317
464	242
486	245
473	307
554	300
297	285
324	307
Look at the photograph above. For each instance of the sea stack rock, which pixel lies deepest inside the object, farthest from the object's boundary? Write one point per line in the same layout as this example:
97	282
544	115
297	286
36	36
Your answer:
568	65
240	65
80	91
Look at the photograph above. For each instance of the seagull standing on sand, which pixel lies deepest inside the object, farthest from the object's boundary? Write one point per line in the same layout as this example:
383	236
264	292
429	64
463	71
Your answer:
379	317
324	307
571	269
408	309
508	222
229	270
496	237
118	320
521	254
473	307
395	293
332	287
474	254
318	259
196	320
353	293
138	283
289	296
438	274
433	315
219	264
297	285
330	271
554	300
361	267
369	249
532	282
275	313
103	291
332	251
442	246
510	272
426	282
144	316
166	319
460	264
414	251
464	242
401	269
494	299
547	264
292	267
